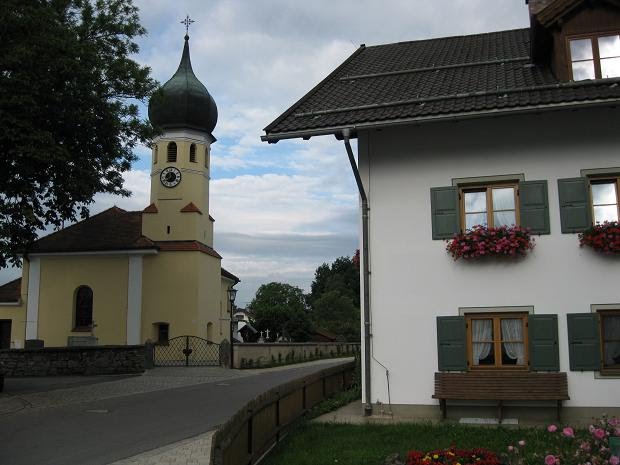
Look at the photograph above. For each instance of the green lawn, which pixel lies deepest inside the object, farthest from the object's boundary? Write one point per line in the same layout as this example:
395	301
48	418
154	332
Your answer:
322	444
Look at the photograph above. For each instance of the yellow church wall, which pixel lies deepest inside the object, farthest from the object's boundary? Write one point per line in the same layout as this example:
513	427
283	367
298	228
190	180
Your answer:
169	224
170	289
209	295
60	278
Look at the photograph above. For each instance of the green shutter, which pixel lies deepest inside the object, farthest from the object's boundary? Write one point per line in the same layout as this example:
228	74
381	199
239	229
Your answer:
534	206
445	212
583	341
451	343
543	337
574	204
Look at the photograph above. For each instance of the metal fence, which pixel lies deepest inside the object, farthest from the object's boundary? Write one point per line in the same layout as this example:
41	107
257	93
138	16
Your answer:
186	351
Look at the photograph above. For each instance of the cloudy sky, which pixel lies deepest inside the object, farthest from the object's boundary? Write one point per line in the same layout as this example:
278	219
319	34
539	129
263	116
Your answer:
281	210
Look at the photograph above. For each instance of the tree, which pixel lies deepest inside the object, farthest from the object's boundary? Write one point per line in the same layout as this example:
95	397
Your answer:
69	124
281	308
335	297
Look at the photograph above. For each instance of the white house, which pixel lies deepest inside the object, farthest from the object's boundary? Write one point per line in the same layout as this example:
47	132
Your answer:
512	127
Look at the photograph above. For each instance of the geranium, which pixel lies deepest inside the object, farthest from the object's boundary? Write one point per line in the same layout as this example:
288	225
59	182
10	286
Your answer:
550	459
552	428
604	238
481	241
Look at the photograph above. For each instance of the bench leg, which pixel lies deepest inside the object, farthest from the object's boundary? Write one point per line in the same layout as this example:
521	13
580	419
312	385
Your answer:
443	406
499	411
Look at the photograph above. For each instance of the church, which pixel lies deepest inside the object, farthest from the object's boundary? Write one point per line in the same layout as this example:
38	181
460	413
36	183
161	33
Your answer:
125	277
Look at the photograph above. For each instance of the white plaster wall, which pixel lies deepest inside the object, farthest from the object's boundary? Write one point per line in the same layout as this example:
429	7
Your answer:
413	279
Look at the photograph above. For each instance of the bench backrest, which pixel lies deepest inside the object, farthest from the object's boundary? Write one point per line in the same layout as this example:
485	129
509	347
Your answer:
501	385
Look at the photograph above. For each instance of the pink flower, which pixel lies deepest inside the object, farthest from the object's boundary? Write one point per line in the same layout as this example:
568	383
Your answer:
568	432
598	433
614	460
550	459
551	429
521	443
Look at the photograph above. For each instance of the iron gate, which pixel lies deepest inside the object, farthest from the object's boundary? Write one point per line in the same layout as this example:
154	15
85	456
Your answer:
187	351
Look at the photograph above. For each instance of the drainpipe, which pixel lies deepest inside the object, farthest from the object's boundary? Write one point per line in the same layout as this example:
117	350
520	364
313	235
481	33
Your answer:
365	272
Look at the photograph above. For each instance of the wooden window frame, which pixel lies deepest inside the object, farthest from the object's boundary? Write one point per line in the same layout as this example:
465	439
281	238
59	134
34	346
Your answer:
497	343
192	153
596	57
488	189
159	327
603	180
601	315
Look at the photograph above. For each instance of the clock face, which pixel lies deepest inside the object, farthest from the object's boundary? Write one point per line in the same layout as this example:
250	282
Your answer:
170	177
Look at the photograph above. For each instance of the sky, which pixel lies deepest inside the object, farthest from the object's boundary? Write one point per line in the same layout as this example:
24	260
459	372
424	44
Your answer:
283	209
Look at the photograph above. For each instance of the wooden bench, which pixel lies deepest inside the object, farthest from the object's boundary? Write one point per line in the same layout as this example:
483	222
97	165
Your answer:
500	386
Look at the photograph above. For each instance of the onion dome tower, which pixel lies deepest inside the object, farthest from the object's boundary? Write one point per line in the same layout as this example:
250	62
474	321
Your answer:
186	114
184	102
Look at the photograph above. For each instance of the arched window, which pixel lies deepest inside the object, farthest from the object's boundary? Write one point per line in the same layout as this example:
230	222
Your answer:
172	152
206	157
83	308
155	155
192	153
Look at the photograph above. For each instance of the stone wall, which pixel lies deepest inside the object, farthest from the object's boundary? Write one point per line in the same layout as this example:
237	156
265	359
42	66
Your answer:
254	355
63	361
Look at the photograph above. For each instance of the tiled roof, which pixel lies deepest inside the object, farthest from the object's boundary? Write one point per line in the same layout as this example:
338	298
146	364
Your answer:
10	292
112	229
186	246
451	77
229	275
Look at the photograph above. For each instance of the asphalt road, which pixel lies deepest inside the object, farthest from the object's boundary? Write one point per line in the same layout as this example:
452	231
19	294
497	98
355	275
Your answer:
103	431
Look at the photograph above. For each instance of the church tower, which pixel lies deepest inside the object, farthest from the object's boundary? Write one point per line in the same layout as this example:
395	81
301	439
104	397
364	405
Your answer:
187	114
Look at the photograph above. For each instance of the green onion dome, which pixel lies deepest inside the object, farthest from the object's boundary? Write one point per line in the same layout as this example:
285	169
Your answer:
184	102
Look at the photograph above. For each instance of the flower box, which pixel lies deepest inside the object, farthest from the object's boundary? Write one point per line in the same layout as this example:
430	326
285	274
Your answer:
481	241
602	237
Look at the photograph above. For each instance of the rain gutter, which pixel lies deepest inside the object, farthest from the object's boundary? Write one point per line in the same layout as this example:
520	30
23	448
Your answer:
346	135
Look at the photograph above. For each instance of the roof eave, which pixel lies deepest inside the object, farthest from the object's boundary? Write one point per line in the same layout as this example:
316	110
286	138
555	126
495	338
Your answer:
353	128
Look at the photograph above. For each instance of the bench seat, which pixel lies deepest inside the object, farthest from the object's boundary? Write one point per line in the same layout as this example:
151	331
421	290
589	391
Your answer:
501	386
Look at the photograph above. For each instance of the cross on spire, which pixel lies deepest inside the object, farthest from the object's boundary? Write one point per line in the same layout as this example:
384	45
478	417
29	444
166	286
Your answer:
187	22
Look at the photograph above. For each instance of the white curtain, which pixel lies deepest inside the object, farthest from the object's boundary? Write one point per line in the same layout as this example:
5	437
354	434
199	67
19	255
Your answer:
482	330
612	348
512	330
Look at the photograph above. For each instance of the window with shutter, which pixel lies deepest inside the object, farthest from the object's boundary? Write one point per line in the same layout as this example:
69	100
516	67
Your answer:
172	152
610	341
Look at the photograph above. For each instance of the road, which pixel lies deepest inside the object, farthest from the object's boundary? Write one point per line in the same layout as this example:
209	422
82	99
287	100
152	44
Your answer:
105	430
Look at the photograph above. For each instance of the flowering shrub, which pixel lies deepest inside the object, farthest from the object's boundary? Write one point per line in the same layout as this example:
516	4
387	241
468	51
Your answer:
453	456
604	238
481	241
585	447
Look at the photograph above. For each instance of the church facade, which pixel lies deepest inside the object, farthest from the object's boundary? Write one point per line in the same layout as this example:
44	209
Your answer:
125	277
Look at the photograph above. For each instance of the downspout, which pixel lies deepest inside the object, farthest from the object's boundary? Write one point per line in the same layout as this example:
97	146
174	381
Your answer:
365	272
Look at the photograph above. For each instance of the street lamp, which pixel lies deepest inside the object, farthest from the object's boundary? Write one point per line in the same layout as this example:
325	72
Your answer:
232	293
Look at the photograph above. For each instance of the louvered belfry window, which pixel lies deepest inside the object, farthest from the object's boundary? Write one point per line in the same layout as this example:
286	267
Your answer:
172	152
192	153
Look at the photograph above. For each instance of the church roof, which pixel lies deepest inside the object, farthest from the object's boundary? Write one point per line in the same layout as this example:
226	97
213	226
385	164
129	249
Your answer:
111	230
229	275
184	102
10	292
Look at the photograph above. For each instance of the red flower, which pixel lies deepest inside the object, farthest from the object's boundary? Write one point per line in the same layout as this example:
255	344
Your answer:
604	238
480	241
